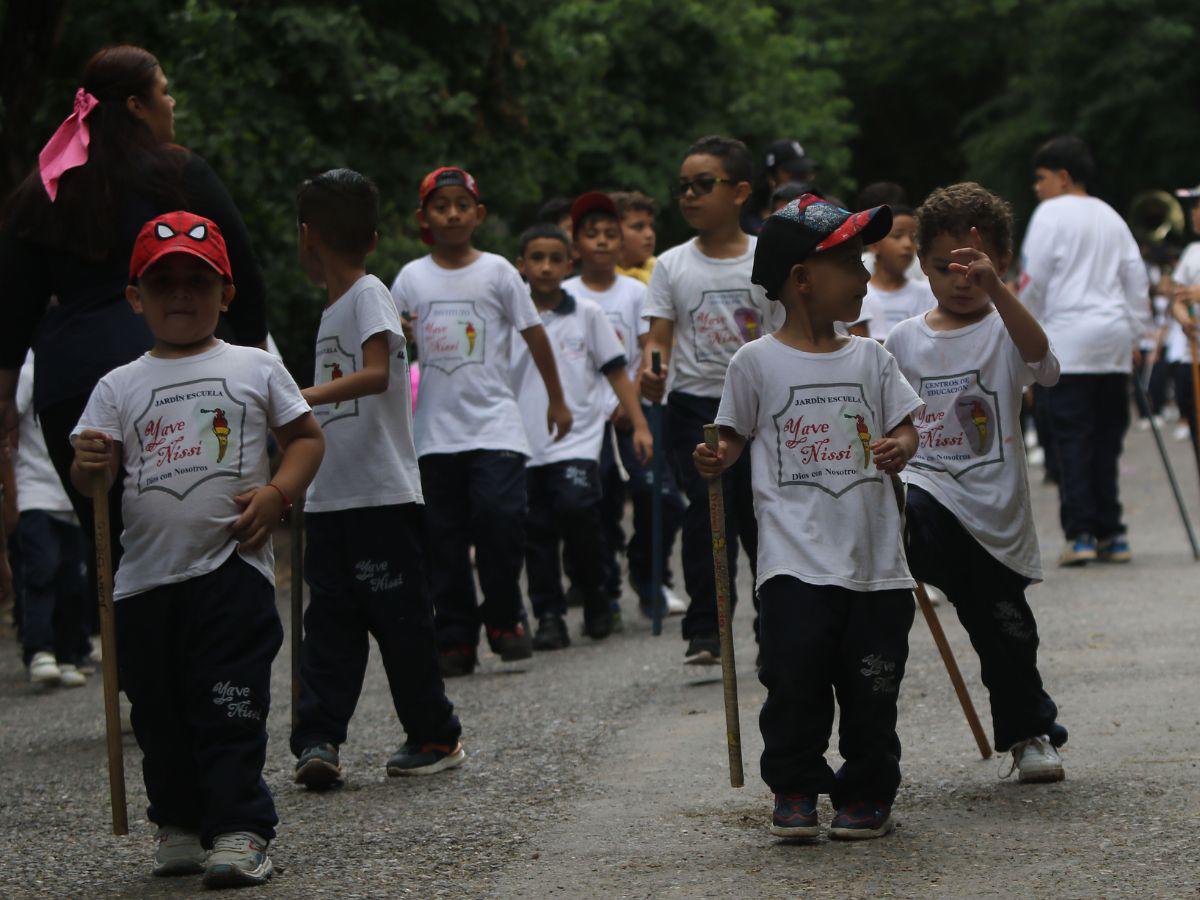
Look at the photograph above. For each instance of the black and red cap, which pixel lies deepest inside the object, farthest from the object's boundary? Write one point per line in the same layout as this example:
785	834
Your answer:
179	232
807	226
590	202
445	176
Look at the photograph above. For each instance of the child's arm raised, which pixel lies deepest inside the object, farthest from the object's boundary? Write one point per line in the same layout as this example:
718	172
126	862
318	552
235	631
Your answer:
303	445
558	416
643	443
659	340
893	452
709	463
1023	328
372	378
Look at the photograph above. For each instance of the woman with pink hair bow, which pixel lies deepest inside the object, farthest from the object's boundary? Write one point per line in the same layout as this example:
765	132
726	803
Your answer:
67	233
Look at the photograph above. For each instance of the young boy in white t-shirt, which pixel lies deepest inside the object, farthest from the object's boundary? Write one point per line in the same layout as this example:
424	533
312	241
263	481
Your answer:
830	420
195	591
464	306
363	515
598	242
702	307
892	296
563	476
970	526
1186	289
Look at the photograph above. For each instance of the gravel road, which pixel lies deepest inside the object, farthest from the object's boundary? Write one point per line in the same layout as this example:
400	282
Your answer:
601	770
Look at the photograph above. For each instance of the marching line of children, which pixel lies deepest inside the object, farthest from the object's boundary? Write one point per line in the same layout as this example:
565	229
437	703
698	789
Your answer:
503	453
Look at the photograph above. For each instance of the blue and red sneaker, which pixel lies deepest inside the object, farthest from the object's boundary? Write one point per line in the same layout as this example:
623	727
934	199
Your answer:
795	816
862	820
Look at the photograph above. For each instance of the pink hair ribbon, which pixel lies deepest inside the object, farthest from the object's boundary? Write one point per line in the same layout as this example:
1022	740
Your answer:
68	147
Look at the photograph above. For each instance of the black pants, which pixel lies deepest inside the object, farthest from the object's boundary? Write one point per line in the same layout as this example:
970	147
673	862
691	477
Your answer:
1089	415
54	594
564	513
990	601
474	498
687	416
1155	380
195	662
815	641
1045	431
1181	377
365	573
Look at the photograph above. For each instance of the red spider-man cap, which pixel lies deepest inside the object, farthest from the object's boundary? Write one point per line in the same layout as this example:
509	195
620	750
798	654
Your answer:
179	232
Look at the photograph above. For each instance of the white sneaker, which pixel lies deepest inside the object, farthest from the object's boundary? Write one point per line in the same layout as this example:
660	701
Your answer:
71	676
238	859
676	605
1036	457
1182	432
1143	425
1036	760
44	670
177	851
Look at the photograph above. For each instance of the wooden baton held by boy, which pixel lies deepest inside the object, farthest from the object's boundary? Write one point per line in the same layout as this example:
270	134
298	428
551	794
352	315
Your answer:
108	651
943	645
297	534
716	518
656	542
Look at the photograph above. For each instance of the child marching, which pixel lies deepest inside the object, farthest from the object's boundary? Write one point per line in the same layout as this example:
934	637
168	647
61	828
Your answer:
970	525
827	420
195	591
363	516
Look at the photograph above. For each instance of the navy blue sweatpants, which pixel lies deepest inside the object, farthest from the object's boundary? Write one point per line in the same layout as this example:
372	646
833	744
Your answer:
365	572
564	521
195	661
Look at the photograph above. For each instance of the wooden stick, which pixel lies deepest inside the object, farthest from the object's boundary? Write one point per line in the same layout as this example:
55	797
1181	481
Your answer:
1166	461
943	645
716	519
656	508
297	534
108	652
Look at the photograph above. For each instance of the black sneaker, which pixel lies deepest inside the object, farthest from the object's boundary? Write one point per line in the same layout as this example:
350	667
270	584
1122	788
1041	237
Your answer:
511	644
574	595
862	820
703	651
551	633
795	816
318	767
597	616
425	759
454	662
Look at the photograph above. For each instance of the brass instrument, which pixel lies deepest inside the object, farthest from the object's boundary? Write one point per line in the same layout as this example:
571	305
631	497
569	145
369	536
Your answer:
1154	216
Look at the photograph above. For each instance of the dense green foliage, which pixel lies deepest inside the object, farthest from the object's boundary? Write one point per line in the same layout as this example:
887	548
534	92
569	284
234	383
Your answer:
550	99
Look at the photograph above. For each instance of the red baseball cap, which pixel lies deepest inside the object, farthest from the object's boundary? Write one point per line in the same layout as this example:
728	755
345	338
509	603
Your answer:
590	202
179	232
445	176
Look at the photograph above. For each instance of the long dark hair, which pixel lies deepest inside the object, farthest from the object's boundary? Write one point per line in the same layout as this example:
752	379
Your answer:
124	158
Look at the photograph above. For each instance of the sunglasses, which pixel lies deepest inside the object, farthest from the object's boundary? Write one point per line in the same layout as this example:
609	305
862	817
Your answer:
698	186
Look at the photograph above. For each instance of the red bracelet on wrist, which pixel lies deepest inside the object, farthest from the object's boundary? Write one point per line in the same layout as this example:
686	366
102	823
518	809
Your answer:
287	504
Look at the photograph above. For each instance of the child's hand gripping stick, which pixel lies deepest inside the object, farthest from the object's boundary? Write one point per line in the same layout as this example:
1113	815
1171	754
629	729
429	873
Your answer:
108	650
716	518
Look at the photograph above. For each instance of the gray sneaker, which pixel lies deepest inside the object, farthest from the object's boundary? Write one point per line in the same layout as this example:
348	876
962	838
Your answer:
238	859
1036	760
318	767
177	851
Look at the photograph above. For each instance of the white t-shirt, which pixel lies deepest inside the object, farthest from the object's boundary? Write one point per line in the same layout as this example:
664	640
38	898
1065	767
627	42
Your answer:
1084	280
369	455
914	272
465	323
715	309
1187	272
622	303
884	310
194	434
584	345
971	453
38	484
825	514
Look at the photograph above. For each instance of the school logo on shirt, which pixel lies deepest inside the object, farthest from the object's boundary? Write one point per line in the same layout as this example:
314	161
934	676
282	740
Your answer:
625	332
334	362
453	335
572	347
721	322
823	438
189	434
958	428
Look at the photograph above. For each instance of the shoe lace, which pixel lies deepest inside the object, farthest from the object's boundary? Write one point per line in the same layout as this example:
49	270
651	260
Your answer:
237	841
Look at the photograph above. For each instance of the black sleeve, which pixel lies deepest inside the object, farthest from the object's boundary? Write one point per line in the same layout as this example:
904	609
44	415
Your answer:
208	197
24	293
617	362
